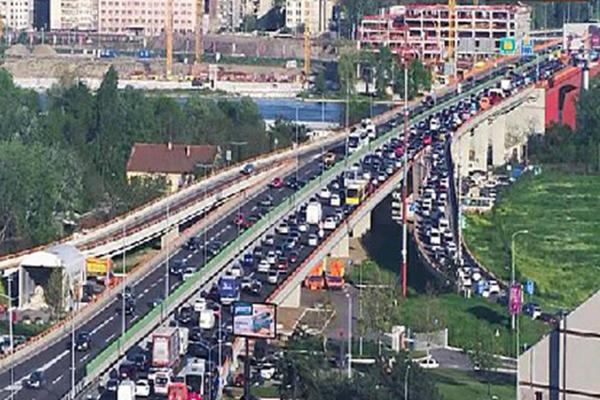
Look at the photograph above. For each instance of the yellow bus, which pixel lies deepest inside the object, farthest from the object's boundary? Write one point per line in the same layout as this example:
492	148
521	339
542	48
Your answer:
355	193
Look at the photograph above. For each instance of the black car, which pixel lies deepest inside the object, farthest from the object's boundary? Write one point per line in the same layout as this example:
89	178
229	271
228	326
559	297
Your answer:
141	362
267	201
128	370
214	248
185	314
82	341
129	306
176	267
112	385
36	380
256	288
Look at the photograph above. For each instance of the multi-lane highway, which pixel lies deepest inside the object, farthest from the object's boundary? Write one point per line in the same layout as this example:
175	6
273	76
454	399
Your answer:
106	326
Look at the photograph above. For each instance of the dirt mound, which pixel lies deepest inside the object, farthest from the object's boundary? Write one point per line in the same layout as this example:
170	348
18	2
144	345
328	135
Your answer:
18	50
44	50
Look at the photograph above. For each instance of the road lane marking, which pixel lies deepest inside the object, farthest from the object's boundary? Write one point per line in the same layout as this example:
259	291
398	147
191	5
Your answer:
102	325
108	339
54	382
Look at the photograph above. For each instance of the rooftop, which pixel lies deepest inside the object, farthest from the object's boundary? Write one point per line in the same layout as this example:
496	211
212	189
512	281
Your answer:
169	158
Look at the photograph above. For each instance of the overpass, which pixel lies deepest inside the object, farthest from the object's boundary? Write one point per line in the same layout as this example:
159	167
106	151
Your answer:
358	223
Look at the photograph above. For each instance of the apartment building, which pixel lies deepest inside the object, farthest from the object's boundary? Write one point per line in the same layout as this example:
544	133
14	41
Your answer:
426	29
16	14
74	14
228	15
315	14
258	8
145	17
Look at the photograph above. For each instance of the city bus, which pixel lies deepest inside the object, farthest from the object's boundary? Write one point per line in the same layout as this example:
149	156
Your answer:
355	193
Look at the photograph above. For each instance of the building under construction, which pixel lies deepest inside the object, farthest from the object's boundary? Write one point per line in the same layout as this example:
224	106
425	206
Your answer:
432	31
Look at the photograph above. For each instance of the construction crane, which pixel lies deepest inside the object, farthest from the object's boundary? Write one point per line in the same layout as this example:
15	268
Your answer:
169	38
199	46
307	44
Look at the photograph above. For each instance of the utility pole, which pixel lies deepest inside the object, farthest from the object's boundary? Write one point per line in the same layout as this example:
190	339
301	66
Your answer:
168	232
349	335
405	182
124	272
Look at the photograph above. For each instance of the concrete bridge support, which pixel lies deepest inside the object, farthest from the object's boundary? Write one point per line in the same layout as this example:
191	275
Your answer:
293	298
169	237
342	248
362	226
499	135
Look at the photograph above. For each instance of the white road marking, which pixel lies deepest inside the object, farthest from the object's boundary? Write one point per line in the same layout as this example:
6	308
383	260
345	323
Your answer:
57	379
108	339
102	325
84	358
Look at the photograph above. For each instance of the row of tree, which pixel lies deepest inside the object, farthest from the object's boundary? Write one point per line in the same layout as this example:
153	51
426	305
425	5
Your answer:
65	154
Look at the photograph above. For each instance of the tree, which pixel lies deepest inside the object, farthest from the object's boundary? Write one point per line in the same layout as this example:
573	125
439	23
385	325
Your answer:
320	83
431	319
54	292
346	70
483	355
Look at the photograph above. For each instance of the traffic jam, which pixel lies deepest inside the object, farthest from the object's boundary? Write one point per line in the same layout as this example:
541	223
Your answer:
183	357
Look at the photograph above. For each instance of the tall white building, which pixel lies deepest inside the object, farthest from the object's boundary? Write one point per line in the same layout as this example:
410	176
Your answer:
74	14
315	14
16	14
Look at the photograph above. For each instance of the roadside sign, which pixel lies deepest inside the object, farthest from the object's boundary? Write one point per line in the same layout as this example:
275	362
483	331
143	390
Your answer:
507	45
526	46
228	155
529	287
463	222
514	302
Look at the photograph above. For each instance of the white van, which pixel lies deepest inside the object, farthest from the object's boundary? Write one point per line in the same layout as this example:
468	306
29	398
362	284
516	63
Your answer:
206	320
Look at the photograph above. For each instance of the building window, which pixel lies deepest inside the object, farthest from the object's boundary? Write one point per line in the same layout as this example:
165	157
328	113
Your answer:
539	395
472	158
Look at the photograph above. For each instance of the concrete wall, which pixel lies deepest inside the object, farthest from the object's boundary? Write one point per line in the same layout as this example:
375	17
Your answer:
567	361
503	129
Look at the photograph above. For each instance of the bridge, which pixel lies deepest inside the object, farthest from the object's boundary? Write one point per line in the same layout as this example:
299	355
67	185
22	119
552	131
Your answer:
287	293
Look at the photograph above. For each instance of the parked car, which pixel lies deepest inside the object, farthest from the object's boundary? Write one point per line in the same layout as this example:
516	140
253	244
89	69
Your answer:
428	363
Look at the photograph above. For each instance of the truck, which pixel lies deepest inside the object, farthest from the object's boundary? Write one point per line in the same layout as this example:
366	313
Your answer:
334	276
126	390
314	280
229	289
314	213
206	320
98	267
166	348
179	391
194	374
184	340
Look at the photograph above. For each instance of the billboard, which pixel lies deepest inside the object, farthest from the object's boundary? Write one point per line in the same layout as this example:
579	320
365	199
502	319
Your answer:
507	46
255	320
514	300
581	36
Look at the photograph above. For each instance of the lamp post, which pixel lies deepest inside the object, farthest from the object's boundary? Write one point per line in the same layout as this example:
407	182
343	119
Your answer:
168	252
406	382
512	267
349	335
204	249
10	333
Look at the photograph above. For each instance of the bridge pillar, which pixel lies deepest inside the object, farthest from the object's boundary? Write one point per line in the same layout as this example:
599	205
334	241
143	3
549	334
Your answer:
418	174
293	299
362	226
169	237
342	248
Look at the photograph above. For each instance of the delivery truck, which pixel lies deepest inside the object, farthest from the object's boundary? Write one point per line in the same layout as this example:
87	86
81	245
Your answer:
166	349
314	213
126	390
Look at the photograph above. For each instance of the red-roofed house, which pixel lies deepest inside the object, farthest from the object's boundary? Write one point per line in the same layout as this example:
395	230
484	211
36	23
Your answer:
175	162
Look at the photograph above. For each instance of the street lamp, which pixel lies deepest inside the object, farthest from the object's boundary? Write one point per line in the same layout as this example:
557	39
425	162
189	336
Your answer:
406	381
349	335
10	333
204	249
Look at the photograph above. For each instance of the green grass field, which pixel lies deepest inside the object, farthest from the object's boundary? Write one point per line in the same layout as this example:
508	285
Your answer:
460	385
562	252
467	319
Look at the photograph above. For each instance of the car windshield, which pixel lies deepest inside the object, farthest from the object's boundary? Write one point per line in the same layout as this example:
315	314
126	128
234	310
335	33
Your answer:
36	376
161	381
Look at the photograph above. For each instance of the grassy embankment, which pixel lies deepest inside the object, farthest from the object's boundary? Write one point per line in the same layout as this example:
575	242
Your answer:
561	254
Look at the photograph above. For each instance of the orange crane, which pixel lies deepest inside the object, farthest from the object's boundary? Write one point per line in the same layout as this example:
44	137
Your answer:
169	38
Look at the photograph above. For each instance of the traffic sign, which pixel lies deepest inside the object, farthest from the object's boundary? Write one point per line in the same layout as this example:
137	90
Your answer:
526	46
507	45
529	287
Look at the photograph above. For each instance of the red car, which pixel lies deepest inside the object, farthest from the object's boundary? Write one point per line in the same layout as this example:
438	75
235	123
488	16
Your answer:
282	263
277	183
427	140
399	151
239	221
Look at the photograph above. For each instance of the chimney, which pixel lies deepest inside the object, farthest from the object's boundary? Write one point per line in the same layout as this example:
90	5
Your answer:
187	150
170	145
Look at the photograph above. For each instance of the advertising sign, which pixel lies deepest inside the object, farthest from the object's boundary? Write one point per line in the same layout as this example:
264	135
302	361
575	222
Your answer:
529	287
514	300
507	45
580	36
255	320
526	46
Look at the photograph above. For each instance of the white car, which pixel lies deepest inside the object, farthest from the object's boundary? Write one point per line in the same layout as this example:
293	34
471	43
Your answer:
271	257
283	229
200	304
428	363
142	388
273	276
494	287
335	200
236	271
325	193
435	237
267	371
313	240
475	274
188	273
329	223
302	227
263	266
